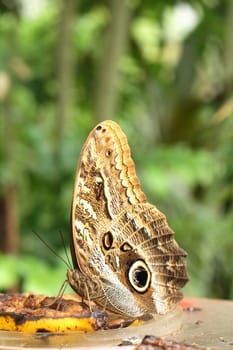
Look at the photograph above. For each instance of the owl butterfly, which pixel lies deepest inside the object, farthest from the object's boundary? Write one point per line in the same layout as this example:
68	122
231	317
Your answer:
124	254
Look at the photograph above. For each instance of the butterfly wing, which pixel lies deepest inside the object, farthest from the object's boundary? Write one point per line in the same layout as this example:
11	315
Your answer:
117	236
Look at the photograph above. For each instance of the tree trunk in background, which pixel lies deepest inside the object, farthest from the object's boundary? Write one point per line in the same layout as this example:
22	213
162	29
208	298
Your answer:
12	222
229	47
9	221
65	70
9	225
180	122
107	83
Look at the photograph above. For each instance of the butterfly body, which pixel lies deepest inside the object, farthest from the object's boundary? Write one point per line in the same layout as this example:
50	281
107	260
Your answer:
124	253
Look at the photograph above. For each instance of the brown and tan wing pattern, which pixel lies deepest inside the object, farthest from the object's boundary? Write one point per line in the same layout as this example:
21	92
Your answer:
124	253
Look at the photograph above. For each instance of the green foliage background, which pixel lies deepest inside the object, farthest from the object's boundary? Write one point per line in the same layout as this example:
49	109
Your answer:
175	104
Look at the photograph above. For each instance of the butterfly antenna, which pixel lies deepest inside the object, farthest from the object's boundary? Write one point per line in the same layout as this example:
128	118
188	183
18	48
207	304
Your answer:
52	250
66	253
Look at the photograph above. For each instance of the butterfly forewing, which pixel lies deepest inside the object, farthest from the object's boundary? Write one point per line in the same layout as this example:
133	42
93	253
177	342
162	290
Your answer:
124	253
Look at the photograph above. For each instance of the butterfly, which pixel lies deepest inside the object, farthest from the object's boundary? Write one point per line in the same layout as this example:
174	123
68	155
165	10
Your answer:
124	254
